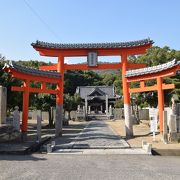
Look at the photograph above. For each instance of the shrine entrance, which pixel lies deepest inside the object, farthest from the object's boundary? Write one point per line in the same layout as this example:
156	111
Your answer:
92	51
47	74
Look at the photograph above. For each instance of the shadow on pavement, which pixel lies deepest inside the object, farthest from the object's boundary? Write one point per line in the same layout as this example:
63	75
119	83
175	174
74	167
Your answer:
20	158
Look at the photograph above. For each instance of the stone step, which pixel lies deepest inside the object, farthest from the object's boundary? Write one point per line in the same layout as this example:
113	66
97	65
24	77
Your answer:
100	151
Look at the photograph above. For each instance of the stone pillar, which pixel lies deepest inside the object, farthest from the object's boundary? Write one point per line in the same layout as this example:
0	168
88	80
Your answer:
107	105
59	120
172	129
78	108
16	119
165	133
84	112
110	110
39	119
3	104
86	105
89	109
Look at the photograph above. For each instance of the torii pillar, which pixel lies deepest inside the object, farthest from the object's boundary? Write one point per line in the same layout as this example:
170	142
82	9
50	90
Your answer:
126	95
59	98
25	109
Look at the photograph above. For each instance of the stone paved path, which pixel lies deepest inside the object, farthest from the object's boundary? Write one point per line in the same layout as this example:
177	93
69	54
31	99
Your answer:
98	134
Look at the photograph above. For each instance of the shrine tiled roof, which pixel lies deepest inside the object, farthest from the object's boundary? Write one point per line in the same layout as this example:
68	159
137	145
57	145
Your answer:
84	91
93	45
98	91
31	71
153	69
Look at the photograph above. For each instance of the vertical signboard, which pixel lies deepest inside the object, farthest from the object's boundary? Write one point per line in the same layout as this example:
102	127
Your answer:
92	59
153	114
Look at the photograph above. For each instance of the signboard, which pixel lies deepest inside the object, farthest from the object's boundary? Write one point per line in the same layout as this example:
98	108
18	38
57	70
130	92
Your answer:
92	59
153	114
153	124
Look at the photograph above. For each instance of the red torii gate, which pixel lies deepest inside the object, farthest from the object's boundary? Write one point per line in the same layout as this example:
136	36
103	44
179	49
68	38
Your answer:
27	75
123	49
156	72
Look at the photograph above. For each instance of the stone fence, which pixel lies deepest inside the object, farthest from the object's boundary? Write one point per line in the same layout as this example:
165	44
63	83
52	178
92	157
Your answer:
143	114
118	113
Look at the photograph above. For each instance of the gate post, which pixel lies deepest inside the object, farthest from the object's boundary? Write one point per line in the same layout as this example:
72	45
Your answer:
59	97
160	102
25	108
126	95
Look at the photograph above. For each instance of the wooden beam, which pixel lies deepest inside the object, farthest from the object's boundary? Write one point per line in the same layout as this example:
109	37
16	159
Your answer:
46	91
168	86
34	90
142	84
151	88
145	89
15	88
98	67
36	78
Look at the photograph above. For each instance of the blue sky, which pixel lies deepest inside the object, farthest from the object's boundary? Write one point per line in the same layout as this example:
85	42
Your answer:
77	21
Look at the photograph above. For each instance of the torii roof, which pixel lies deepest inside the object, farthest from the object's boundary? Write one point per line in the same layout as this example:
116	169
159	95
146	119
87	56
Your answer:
114	45
153	69
31	71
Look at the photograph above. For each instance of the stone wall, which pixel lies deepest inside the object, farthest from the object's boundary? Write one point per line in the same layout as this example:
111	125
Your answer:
144	114
45	115
3	104
118	113
73	115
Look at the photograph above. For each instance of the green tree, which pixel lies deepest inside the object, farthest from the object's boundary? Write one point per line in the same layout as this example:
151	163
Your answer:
119	103
45	102
71	103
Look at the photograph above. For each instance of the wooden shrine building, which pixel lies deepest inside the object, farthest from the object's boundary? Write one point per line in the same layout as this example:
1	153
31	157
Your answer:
97	99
